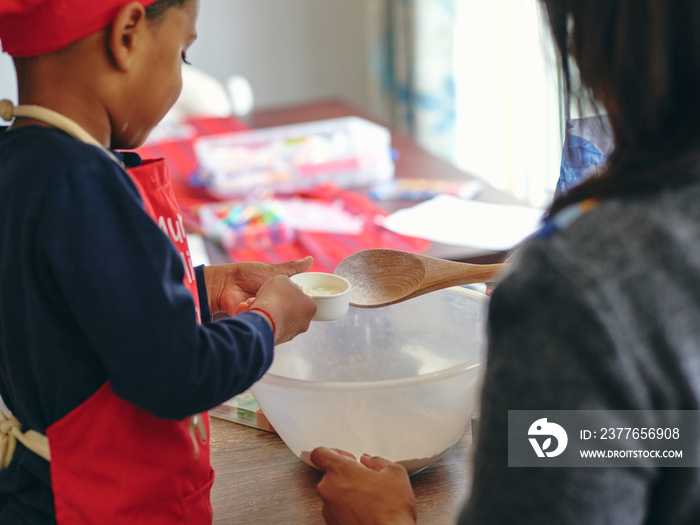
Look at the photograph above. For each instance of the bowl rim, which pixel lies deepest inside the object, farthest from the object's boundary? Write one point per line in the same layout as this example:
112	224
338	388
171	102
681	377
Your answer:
384	384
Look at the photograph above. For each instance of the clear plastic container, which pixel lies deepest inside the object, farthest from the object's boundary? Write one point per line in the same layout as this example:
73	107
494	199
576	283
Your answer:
401	382
349	152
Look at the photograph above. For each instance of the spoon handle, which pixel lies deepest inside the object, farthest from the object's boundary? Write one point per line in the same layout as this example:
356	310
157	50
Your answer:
468	274
441	274
446	275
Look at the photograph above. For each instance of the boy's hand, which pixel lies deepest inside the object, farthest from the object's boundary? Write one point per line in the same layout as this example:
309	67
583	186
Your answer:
372	491
229	285
290	308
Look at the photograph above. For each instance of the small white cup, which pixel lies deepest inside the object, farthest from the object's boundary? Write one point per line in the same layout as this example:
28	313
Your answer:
330	292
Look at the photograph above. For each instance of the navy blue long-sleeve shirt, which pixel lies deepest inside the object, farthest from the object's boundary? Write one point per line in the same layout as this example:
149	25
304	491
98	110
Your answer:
91	291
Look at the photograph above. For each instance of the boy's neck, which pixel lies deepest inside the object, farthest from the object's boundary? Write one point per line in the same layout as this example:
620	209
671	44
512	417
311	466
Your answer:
67	82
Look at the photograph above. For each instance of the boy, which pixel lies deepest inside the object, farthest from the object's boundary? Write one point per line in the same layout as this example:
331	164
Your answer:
100	349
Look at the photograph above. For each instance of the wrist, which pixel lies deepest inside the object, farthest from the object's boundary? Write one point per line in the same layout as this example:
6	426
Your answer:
407	518
267	316
210	283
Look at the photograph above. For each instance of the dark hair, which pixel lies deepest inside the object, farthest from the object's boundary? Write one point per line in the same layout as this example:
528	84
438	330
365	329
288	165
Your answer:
159	7
641	60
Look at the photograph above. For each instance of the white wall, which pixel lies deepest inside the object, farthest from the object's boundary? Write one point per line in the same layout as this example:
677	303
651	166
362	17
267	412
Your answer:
289	50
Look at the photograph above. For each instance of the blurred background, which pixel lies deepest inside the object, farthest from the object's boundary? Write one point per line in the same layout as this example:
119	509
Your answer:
473	82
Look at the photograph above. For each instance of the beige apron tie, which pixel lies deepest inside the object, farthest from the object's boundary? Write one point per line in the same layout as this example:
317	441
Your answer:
10	433
10	428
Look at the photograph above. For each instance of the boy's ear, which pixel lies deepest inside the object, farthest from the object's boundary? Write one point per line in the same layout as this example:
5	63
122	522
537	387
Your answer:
126	29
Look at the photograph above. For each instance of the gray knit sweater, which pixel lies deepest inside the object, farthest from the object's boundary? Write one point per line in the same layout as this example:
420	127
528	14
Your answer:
602	314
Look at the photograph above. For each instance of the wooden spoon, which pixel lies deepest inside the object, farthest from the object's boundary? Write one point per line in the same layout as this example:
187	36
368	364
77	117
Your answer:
382	277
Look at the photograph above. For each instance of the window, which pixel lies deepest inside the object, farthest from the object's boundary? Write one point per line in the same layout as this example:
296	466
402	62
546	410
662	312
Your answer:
509	121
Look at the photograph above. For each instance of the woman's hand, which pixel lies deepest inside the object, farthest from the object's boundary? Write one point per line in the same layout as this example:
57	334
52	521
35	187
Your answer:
371	491
229	285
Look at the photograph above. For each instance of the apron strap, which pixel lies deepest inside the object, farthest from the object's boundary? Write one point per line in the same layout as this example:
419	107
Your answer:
53	118
10	433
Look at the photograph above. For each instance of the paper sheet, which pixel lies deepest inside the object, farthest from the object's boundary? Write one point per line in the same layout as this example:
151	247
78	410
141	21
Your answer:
462	222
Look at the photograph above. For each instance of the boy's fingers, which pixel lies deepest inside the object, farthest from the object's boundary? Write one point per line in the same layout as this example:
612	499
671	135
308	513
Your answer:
245	305
295	267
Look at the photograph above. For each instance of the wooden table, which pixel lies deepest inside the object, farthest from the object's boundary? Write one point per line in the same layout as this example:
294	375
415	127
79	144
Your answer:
258	479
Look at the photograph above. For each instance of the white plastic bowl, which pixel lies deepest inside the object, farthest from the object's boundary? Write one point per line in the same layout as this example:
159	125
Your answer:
401	382
330	292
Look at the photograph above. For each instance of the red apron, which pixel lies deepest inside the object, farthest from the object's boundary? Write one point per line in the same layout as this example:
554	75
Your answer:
112	462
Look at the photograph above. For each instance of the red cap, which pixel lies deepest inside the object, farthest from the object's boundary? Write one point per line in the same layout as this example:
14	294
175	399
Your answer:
36	27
